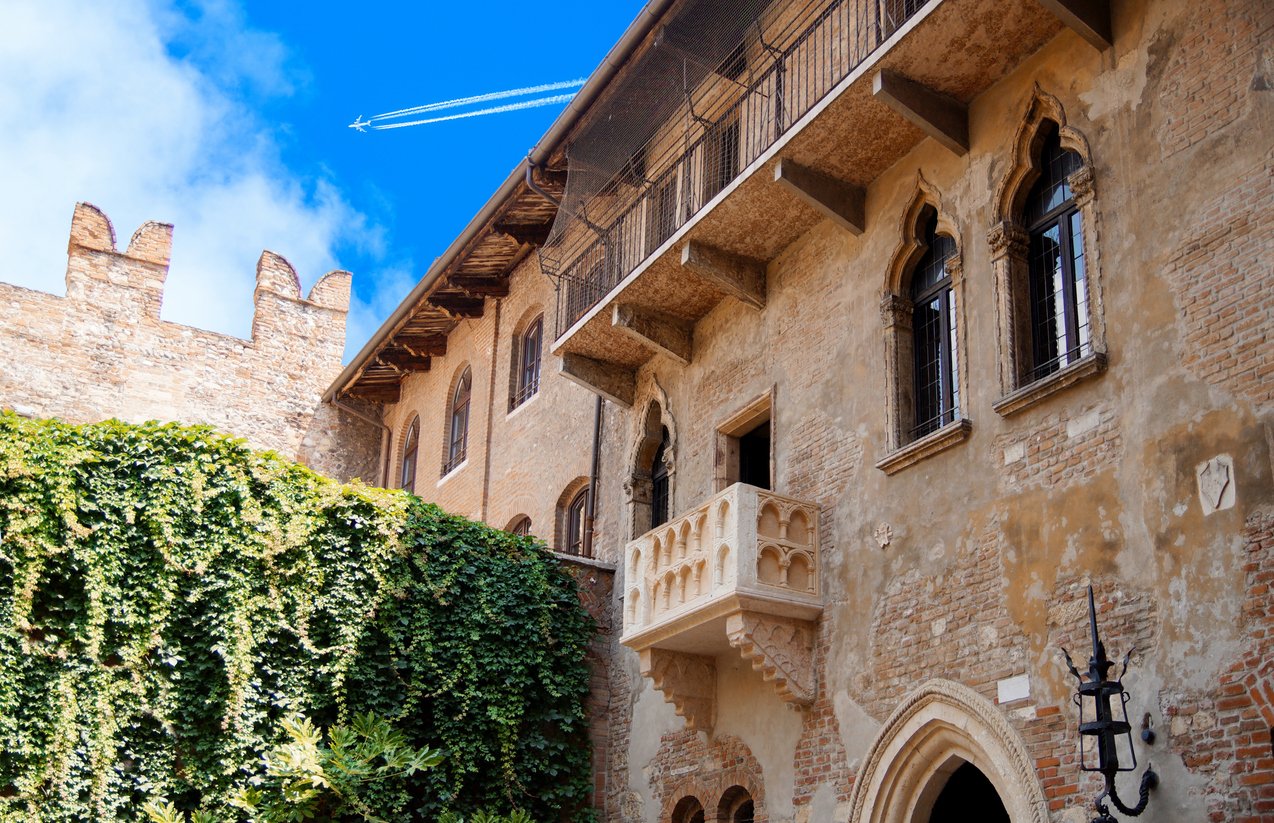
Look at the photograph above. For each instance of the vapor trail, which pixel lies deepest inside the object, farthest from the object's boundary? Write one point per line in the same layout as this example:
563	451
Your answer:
476	99
525	104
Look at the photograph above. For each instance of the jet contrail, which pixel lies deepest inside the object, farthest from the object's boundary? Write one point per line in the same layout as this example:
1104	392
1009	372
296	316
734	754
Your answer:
361	124
525	104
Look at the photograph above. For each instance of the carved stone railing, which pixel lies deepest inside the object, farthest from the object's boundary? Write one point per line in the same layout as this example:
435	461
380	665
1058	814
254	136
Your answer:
741	571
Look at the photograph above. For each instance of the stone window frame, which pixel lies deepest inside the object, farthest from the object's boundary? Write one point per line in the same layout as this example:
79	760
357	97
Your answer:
896	317
407	450
932	732
456	456
1010	245
519	393
638	486
752	414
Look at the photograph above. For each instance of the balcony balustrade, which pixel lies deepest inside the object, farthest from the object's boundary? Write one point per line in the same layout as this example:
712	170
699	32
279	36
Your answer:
740	574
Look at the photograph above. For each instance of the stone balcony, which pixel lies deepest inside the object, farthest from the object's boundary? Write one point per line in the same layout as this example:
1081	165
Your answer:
739	574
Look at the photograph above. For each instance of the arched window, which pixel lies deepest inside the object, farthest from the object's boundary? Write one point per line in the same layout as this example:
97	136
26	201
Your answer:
736	806
520	525
935	376
527	349
411	446
688	810
1058	288
1047	270
576	521
659	485
921	310
458	430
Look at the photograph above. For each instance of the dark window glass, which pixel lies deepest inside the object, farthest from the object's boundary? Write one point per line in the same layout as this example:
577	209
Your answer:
529	347
936	387
659	485
1058	289
721	157
575	522
459	430
754	457
411	445
661	219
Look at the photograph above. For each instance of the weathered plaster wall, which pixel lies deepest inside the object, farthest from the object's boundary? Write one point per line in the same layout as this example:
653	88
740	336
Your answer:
102	351
987	545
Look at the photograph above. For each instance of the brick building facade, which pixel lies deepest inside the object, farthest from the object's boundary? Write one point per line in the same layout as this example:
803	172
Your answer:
913	320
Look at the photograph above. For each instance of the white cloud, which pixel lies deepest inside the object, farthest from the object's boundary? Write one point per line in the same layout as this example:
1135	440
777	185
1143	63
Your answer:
107	103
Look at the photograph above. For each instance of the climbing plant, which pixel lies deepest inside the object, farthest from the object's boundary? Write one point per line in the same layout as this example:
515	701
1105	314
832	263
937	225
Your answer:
168	597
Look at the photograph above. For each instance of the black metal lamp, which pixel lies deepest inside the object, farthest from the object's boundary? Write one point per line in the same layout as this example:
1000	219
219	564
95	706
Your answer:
1104	731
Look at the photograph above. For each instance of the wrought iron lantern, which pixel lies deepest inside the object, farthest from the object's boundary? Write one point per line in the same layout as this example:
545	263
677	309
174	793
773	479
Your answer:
1105	735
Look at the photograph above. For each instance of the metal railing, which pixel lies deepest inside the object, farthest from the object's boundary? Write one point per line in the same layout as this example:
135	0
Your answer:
812	51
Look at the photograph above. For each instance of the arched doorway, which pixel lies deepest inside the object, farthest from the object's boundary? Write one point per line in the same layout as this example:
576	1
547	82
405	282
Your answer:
968	794
688	810
736	806
925	745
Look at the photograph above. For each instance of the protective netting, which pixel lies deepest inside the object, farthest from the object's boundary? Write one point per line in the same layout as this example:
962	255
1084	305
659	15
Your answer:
720	83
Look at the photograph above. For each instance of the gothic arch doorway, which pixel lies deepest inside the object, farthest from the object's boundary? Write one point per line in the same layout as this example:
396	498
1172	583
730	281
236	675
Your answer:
947	751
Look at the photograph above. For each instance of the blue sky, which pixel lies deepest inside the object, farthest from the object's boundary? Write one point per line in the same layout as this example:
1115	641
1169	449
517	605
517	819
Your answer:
229	120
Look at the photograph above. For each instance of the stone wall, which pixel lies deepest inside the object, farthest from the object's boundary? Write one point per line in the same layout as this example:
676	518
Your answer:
103	351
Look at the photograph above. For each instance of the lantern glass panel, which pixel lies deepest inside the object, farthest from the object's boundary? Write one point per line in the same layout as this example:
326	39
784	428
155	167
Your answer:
1123	742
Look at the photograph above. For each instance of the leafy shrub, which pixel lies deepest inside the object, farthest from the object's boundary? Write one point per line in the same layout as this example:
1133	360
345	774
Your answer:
168	597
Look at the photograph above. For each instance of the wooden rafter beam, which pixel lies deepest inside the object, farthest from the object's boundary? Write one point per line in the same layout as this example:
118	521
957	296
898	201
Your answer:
655	330
529	234
611	380
425	346
740	277
1090	19
405	359
938	115
480	285
839	201
458	305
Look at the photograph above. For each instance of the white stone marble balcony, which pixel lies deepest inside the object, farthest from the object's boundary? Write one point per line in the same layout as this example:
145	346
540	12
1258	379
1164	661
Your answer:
738	574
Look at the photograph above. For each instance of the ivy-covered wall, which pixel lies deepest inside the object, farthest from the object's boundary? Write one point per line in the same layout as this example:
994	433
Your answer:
168	597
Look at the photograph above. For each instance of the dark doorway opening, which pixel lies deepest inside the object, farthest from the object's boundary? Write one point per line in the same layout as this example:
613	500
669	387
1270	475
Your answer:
754	457
968	795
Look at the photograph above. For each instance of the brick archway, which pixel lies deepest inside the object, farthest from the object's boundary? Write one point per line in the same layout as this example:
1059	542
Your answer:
934	731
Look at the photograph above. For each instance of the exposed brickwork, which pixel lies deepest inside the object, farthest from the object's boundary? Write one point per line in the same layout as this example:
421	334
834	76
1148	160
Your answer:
1228	735
688	765
823	461
955	626
596	594
1220	277
1211	72
1066	448
103	351
619	734
820	755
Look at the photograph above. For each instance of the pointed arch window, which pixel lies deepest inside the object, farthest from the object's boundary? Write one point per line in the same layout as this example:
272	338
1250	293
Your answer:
1058	289
528	347
411	448
659	485
935	375
458	428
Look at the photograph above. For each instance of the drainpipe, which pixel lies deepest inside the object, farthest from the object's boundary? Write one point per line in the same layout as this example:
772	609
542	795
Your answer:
486	458
383	460
592	478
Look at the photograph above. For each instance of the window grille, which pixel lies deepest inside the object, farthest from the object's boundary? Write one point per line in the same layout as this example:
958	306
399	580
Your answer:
1058	288
935	373
458	439
576	519
411	446
529	347
659	486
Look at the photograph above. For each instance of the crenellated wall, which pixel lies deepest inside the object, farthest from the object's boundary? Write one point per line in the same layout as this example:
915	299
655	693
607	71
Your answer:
103	351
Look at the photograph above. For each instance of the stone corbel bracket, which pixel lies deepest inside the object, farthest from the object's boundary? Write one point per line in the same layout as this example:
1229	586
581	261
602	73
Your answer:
781	648
688	682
